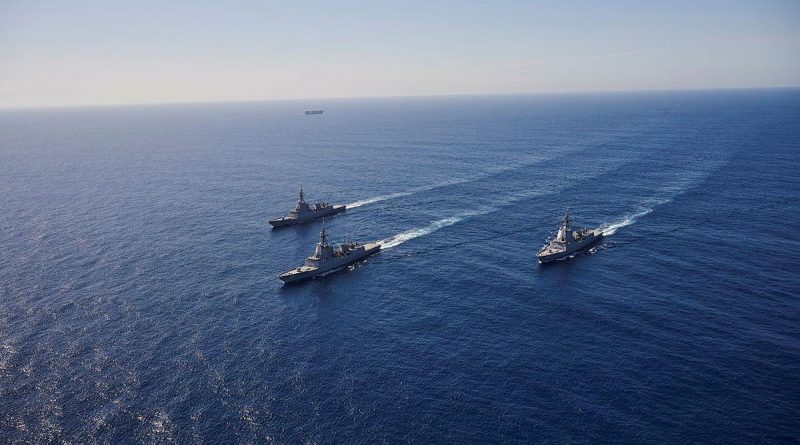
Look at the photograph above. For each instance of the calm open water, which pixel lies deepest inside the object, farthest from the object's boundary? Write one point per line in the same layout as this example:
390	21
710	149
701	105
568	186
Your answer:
139	298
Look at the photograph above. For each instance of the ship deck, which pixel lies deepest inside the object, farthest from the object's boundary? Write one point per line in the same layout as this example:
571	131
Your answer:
297	270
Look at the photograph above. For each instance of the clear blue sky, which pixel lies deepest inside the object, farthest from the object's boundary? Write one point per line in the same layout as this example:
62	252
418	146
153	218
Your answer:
76	52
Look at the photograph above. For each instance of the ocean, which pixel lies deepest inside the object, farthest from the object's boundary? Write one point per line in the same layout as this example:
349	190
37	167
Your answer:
140	299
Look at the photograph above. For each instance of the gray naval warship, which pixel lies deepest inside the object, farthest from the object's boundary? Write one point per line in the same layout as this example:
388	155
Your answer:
568	241
304	212
327	258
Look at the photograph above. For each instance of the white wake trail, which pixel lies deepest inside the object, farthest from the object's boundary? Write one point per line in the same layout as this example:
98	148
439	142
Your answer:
362	202
409	192
402	237
426	188
611	228
679	187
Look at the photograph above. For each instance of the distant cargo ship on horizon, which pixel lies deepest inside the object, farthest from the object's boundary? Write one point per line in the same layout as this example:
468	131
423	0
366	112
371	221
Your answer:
315	111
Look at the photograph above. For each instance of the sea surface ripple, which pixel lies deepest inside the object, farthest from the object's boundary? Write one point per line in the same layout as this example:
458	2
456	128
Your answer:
139	298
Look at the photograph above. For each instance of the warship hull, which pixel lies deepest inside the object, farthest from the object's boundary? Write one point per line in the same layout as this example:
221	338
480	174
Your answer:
306	272
284	221
550	255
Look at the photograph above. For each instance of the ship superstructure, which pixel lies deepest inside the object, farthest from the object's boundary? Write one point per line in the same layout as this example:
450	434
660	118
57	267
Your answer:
305	212
329	257
568	241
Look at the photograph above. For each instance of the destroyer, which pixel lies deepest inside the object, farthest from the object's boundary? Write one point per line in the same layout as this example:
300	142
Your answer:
568	241
327	258
304	212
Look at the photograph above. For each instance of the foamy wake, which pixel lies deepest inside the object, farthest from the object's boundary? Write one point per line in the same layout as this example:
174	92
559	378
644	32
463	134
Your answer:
673	190
679	187
400	238
408	192
426	188
611	228
353	205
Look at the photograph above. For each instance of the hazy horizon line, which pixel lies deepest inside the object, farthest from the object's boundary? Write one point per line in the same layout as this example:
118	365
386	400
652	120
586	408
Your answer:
410	96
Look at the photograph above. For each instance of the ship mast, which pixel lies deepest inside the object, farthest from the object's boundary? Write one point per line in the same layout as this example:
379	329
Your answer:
321	251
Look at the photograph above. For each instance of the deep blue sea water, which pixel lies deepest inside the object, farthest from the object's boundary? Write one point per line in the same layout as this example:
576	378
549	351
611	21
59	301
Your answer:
139	298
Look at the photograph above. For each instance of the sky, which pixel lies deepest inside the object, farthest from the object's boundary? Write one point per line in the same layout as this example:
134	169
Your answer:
98	52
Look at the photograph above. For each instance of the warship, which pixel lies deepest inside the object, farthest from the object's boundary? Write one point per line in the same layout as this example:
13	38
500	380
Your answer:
327	258
304	212
568	241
